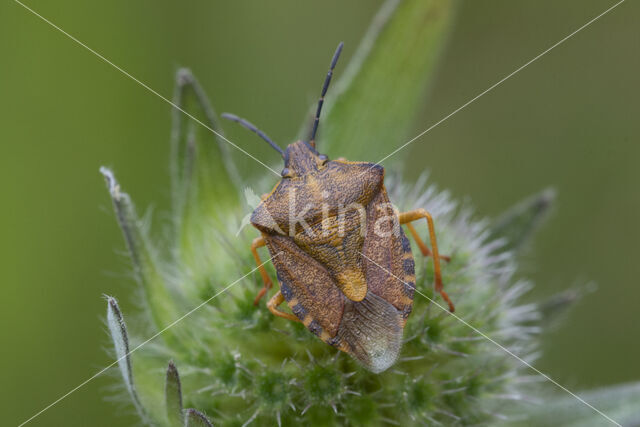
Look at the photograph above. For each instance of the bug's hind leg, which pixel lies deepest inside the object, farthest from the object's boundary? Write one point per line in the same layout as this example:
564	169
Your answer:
259	242
273	304
407	218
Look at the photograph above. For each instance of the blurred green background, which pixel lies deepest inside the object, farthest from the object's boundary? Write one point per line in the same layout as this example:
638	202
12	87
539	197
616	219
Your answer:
570	120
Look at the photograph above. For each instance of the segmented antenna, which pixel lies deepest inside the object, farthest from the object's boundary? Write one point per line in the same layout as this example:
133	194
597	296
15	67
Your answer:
327	80
252	128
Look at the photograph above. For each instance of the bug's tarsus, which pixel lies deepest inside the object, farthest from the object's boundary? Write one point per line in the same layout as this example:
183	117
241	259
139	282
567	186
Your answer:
254	129
327	81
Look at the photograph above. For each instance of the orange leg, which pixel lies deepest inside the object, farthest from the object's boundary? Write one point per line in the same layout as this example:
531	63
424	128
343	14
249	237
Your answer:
273	304
423	247
406	218
259	242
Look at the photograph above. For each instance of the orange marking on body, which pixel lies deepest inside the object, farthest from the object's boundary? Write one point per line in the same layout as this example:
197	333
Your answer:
406	300
307	320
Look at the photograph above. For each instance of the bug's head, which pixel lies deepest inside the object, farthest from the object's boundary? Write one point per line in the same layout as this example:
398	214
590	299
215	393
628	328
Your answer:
301	157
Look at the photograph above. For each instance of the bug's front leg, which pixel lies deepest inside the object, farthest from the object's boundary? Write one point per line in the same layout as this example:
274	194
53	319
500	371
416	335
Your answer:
407	218
259	242
273	304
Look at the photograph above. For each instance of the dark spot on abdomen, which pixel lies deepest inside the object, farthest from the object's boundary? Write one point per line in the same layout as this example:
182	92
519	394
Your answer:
409	266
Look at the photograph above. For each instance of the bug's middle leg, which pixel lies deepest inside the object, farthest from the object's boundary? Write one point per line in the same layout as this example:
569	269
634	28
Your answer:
423	247
259	242
407	218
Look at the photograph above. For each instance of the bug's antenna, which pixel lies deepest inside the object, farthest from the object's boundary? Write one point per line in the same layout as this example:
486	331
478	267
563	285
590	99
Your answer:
327	80
252	128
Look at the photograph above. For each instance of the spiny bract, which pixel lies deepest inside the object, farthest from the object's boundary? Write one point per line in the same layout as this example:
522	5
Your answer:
238	362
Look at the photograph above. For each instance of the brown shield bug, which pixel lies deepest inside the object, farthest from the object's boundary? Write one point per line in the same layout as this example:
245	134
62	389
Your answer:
344	265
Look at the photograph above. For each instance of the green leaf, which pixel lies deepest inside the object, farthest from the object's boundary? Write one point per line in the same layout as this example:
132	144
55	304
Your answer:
205	182
142	254
195	418
621	403
118	331
173	396
202	169
370	110
519	223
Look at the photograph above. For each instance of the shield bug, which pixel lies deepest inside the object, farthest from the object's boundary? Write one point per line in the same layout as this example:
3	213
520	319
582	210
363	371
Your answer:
344	265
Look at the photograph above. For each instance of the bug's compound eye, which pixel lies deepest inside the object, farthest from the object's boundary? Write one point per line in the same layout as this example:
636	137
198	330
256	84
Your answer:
323	159
286	173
